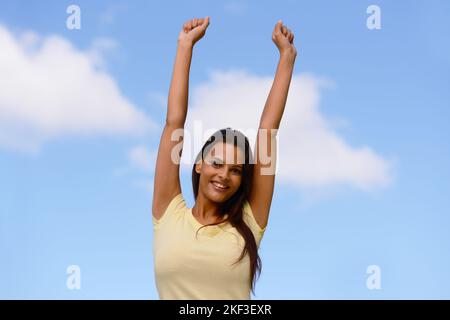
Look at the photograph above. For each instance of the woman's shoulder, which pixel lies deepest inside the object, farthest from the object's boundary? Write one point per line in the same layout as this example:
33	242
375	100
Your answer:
249	218
176	205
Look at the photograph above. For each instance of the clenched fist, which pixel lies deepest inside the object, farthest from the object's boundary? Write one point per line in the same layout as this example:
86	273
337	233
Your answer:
284	39
193	30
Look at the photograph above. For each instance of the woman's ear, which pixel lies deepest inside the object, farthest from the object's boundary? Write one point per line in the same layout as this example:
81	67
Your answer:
198	168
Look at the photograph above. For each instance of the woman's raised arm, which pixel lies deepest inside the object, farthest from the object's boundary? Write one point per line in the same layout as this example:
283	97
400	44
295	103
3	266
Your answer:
167	180
266	149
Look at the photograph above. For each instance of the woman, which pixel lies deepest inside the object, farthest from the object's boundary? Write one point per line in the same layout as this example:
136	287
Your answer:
210	251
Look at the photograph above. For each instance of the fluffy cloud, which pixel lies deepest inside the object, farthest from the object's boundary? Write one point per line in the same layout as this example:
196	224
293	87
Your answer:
310	153
51	89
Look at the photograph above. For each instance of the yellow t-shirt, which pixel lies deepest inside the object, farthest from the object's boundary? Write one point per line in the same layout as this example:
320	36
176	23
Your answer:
200	268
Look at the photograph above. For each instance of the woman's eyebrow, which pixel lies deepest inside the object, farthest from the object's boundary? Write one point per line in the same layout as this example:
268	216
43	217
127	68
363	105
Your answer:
235	165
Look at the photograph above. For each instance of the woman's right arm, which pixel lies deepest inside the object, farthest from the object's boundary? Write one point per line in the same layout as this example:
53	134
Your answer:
167	180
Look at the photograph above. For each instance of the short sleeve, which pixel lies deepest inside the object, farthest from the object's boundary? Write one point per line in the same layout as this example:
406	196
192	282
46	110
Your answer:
251	222
175	205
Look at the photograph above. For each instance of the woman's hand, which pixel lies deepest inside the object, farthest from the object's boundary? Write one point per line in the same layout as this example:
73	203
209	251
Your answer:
193	30
284	39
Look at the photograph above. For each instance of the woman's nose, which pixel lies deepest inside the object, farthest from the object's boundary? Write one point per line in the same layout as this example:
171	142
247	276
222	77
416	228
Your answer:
224	171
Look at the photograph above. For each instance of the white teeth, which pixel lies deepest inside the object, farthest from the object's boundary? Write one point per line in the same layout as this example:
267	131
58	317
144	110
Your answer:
219	185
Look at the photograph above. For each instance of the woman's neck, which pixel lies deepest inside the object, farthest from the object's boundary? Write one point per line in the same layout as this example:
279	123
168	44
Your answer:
205	210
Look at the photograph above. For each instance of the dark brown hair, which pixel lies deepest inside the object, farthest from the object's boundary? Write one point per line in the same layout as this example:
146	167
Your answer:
234	206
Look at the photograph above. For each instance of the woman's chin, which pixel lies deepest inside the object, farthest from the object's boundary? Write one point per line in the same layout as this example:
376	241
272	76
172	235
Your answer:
220	195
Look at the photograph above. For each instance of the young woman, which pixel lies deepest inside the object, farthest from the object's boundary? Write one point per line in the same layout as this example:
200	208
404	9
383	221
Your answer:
210	251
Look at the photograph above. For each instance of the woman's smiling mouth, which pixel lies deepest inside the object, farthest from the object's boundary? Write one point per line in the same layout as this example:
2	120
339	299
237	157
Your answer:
218	186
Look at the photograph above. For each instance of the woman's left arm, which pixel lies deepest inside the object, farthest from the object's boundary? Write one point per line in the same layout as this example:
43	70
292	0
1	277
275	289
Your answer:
266	149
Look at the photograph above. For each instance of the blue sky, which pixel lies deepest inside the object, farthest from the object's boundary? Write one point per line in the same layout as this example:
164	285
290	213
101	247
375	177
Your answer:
365	180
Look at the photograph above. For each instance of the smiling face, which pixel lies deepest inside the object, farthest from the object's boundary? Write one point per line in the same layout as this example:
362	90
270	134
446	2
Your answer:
221	172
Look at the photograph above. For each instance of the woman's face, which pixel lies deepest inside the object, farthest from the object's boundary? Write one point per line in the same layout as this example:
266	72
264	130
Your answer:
221	172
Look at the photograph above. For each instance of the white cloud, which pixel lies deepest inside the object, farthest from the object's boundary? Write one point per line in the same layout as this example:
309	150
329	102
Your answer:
311	154
51	89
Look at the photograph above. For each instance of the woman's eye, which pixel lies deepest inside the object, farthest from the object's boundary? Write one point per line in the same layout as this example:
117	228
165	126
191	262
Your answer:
218	164
215	163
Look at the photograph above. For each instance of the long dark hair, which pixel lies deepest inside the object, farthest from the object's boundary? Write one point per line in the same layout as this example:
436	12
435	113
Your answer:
234	206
